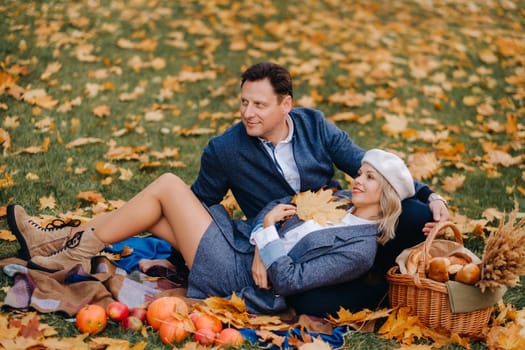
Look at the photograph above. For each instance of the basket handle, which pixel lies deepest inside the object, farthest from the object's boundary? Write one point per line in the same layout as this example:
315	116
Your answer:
421	266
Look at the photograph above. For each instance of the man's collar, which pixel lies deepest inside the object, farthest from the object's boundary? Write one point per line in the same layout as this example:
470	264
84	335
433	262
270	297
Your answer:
289	121
289	137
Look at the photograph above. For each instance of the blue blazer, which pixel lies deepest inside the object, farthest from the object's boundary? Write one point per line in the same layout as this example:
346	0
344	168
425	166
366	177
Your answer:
237	161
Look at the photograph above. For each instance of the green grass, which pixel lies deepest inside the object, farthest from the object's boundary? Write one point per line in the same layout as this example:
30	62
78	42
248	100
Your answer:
330	46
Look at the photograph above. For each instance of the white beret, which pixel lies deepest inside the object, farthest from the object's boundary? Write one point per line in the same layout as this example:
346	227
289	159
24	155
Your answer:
393	170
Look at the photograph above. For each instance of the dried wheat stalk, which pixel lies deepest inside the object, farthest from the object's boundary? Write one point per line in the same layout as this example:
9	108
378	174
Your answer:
503	260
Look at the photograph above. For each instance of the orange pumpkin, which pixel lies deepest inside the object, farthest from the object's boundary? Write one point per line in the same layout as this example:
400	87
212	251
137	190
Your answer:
91	319
172	330
162	308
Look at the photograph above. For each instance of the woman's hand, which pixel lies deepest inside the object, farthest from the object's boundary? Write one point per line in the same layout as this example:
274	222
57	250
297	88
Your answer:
259	273
439	213
279	213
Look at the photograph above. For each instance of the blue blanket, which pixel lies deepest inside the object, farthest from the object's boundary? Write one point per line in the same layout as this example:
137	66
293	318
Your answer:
335	340
143	248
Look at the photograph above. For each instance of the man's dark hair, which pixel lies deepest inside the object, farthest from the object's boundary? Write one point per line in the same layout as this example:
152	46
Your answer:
279	77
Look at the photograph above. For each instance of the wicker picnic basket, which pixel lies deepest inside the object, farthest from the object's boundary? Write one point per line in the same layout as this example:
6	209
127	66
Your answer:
428	299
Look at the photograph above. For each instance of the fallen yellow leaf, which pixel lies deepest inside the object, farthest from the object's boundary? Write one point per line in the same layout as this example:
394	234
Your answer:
6	235
47	202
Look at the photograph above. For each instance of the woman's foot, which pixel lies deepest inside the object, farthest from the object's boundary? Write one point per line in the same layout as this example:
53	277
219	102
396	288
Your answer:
78	249
34	239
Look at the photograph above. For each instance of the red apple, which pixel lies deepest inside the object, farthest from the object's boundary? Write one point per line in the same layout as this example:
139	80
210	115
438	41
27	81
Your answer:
194	315
208	321
132	322
117	311
229	337
139	312
204	336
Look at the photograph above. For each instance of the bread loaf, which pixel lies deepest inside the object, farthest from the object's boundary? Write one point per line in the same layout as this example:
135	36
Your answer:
459	259
438	269
412	261
469	274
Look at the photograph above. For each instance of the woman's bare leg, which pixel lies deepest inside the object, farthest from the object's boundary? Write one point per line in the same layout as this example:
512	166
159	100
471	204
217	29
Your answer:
167	199
161	227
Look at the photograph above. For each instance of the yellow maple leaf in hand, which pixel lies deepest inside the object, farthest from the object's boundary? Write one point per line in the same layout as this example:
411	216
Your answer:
321	206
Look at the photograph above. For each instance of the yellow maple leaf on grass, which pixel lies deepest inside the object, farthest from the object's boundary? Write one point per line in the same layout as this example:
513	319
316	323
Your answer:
51	69
5	140
321	206
83	141
402	327
423	165
6	235
405	328
453	182
345	317
105	168
510	337
102	111
394	125
91	196
7	181
36	149
39	97
112	343
47	202
233	312
498	157
508	328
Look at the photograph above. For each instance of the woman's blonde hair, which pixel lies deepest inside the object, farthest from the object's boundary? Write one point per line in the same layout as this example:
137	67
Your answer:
389	211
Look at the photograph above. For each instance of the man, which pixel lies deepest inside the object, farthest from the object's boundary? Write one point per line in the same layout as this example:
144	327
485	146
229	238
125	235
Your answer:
277	150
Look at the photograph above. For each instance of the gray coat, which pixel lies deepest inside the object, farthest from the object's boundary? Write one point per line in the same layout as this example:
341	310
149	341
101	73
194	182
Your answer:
324	257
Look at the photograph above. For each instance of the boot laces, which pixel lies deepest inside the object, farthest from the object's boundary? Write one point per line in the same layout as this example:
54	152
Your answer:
56	224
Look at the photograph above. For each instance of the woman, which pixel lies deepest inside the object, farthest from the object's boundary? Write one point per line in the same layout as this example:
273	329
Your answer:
262	265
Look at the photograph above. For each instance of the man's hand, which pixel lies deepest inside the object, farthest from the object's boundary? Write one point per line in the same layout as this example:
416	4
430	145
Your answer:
259	273
439	213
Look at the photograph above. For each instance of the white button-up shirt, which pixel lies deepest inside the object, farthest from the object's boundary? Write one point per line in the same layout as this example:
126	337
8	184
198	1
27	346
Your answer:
282	155
262	236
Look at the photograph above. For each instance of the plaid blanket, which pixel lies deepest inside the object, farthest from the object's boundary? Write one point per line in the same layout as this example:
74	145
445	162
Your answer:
68	291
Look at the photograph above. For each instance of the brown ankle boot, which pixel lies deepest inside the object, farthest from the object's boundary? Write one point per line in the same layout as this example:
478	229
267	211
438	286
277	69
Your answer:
78	249
34	239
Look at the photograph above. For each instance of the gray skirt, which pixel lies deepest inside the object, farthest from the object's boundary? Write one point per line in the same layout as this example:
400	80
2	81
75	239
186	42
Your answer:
218	268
